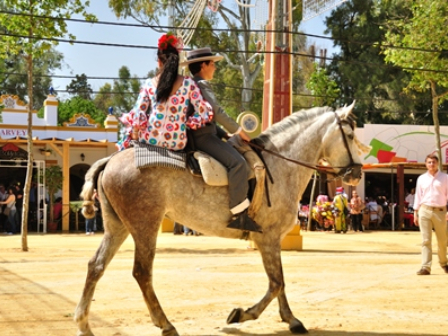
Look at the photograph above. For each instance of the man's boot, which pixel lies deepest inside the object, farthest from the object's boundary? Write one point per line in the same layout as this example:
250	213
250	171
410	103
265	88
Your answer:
243	222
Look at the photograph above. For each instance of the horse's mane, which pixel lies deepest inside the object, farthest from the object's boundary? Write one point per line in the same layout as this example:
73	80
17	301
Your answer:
300	119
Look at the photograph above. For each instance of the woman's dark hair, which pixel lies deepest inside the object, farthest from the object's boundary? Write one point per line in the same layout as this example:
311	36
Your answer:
196	67
168	73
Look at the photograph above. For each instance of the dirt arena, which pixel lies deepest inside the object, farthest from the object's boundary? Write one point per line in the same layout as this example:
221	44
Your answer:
339	285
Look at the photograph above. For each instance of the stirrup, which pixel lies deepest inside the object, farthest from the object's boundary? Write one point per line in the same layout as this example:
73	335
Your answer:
242	221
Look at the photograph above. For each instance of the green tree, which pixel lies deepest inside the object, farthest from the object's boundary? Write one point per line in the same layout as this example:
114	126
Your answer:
304	65
76	105
104	98
53	182
13	75
420	44
121	95
360	69
80	87
126	90
324	89
28	33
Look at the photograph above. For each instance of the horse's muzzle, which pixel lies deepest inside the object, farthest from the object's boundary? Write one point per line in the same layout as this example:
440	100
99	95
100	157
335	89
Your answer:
351	175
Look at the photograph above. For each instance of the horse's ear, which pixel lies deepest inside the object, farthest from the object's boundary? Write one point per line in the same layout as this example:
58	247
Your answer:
345	113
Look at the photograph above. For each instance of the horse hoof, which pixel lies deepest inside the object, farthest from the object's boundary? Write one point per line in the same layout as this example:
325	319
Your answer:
170	332
296	327
235	316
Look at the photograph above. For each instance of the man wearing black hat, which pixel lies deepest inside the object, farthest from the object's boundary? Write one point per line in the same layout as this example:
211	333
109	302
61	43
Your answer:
201	63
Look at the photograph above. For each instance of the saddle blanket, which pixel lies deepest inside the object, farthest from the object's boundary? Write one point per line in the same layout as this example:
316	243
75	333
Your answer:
212	171
152	156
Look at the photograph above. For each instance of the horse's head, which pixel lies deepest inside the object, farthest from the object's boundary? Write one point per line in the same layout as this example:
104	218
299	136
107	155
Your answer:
340	146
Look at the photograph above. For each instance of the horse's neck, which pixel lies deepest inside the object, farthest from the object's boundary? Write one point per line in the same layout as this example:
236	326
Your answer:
303	144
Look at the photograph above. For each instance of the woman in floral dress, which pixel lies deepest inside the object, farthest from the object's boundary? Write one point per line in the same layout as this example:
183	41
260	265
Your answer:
159	116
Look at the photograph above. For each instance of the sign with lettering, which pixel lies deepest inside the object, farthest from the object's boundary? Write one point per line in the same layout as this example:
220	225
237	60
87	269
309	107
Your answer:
13	133
12	152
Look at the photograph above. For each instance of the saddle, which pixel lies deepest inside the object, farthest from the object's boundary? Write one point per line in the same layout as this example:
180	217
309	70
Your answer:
203	165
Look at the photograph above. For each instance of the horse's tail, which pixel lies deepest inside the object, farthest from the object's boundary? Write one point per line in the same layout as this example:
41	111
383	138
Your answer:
90	185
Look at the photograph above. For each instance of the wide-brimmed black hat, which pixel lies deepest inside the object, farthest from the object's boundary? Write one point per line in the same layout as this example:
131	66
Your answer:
200	55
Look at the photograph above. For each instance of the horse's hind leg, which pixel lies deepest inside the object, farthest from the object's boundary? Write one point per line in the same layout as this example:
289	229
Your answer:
273	266
114	236
145	250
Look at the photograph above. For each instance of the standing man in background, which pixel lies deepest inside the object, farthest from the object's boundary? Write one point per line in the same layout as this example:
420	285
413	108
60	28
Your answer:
356	206
431	198
410	199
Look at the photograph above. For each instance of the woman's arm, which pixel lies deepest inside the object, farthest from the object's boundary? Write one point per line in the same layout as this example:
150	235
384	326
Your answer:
11	198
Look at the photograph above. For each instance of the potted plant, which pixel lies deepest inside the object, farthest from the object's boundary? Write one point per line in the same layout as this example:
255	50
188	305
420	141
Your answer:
45	151
53	182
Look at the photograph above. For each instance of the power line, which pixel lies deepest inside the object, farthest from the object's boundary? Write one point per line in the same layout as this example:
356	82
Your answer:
229	87
382	65
297	94
221	86
53	39
234	51
71	77
264	31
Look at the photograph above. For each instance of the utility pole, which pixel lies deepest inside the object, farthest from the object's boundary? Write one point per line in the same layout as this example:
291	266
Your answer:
277	97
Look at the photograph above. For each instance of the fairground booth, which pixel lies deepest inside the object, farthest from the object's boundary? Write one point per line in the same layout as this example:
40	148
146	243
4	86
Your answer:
396	159
75	146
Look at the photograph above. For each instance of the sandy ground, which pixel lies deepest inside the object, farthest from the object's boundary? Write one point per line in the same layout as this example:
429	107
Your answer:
339	285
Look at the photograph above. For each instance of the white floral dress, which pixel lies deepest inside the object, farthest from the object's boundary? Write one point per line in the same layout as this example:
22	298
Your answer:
165	124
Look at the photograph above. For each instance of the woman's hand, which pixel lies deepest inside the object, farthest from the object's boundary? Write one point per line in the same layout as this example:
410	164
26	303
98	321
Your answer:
134	134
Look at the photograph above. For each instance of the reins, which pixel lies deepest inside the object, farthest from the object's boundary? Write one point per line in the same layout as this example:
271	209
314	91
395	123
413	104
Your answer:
257	144
259	147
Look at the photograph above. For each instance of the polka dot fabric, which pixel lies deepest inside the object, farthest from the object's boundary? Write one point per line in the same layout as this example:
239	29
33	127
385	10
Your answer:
165	125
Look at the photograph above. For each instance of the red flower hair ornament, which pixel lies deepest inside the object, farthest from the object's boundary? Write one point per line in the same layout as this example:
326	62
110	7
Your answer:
170	39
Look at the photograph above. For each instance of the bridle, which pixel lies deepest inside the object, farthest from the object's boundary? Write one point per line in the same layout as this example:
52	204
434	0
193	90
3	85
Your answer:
347	170
259	147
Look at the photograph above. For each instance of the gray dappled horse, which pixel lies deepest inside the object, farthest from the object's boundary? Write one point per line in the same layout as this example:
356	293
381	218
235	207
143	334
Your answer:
136	201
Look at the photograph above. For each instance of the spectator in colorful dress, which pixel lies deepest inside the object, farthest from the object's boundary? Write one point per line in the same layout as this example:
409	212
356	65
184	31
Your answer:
340	204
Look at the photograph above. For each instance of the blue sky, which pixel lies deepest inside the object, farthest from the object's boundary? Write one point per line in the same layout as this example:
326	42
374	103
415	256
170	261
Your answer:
104	61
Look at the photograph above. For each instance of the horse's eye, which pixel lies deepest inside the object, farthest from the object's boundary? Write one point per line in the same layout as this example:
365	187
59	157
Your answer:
350	136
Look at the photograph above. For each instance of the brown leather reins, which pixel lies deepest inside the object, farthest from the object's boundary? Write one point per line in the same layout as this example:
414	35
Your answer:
259	147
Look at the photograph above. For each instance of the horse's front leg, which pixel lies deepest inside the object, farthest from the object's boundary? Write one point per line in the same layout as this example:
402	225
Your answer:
272	265
270	253
145	250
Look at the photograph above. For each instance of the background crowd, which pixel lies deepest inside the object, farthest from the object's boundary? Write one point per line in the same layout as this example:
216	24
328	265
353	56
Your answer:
11	204
344	212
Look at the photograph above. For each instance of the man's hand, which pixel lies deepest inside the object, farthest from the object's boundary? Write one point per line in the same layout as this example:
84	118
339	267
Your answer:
244	136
